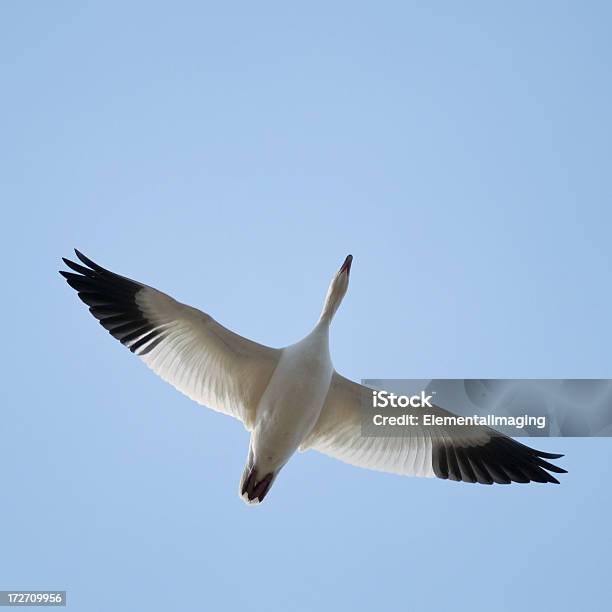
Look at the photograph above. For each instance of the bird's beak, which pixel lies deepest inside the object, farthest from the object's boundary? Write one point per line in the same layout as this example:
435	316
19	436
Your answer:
346	266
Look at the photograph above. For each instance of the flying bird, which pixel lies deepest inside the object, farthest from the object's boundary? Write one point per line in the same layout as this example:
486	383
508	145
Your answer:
289	398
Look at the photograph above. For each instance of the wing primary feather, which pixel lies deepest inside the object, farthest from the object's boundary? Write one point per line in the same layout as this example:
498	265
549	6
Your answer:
439	463
78	268
149	347
480	471
467	473
88	262
150	336
549	466
454	473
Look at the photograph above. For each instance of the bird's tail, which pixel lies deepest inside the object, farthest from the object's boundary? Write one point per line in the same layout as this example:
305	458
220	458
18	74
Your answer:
255	486
255	482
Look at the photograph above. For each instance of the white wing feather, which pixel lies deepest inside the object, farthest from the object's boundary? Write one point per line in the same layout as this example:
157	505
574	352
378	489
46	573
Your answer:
204	360
467	453
338	434
229	373
184	346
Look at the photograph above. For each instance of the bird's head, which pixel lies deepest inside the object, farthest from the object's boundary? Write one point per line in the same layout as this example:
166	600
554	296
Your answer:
337	290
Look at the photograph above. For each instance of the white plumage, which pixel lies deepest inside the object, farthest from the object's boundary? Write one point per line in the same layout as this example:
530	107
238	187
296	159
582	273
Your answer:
288	398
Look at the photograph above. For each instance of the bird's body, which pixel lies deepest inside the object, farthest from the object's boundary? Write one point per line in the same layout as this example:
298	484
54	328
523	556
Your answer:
291	403
288	398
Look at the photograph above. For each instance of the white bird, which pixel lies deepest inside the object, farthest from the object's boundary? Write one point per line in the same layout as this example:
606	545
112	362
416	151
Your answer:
289	398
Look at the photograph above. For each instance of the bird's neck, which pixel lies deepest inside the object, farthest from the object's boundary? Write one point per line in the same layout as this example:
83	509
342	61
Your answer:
332	301
322	327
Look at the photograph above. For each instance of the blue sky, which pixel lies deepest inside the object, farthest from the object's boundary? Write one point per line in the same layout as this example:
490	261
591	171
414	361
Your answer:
232	155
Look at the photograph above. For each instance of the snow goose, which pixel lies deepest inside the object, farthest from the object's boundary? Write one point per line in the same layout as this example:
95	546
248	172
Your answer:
288	398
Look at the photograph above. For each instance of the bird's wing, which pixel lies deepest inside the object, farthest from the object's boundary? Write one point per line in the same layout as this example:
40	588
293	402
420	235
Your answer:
186	347
470	454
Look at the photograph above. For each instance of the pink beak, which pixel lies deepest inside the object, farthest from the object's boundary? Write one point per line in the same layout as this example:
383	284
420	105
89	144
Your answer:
346	266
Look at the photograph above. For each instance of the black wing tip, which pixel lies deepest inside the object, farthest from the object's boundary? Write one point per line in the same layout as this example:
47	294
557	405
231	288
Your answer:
549	455
91	269
88	262
73	265
85	259
111	299
502	460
